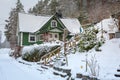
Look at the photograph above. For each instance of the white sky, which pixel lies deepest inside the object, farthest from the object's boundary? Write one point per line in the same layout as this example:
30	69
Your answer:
7	5
5	8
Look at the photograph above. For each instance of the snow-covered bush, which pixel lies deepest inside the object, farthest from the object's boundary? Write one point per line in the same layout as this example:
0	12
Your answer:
35	53
88	40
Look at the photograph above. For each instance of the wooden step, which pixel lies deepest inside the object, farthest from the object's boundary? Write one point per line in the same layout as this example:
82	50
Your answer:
117	75
59	73
118	70
44	67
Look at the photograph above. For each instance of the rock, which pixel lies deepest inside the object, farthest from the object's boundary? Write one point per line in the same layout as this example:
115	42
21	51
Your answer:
78	75
85	78
55	73
93	78
63	75
67	71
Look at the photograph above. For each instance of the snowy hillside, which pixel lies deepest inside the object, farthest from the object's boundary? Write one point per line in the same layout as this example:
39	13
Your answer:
108	61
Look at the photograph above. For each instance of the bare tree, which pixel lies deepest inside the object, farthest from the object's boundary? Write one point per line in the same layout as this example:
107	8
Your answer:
93	66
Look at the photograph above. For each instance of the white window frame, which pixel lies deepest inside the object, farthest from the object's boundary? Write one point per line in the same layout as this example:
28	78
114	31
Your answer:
53	21
41	37
32	35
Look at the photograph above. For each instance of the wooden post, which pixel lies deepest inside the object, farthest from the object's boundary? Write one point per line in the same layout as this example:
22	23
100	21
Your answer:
65	33
86	62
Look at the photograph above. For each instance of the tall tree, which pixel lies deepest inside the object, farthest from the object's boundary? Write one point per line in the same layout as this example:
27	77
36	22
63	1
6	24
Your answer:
53	6
12	24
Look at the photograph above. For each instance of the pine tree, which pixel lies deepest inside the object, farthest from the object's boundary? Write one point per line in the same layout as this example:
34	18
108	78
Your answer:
12	22
53	6
40	8
89	40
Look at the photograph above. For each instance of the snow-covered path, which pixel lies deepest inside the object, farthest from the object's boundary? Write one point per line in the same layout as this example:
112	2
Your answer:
11	69
8	70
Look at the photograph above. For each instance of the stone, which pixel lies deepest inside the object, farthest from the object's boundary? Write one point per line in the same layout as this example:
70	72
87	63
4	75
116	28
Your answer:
67	71
93	78
55	73
63	75
78	75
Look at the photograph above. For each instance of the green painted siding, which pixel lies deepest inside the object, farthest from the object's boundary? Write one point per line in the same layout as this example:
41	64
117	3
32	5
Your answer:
48	27
26	40
45	28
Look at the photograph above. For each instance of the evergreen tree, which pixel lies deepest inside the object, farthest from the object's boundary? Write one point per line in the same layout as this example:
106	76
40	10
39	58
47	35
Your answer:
39	8
53	6
12	22
89	40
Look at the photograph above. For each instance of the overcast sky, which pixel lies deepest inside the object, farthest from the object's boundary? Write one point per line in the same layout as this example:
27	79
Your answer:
7	5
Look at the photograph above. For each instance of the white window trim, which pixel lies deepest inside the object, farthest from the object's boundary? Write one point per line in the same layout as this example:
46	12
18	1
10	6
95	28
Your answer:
33	35
55	23
21	41
41	39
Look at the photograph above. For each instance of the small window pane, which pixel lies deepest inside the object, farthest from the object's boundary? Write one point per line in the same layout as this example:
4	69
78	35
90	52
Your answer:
54	23
32	38
55	35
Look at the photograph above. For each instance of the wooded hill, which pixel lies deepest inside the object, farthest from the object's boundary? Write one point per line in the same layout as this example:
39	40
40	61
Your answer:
86	10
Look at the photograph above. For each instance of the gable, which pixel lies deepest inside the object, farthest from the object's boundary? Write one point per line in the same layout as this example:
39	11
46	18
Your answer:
47	27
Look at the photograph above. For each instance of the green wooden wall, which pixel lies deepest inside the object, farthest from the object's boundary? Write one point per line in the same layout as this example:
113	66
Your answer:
48	27
26	40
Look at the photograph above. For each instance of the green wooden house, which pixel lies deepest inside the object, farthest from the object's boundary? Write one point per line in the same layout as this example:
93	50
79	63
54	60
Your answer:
34	29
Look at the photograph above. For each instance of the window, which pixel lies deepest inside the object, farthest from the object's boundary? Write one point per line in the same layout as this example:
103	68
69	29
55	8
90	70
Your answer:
50	35
32	38
41	37
54	23
55	35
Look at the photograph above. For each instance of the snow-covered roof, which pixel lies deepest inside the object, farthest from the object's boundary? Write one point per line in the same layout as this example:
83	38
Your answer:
108	25
73	25
31	23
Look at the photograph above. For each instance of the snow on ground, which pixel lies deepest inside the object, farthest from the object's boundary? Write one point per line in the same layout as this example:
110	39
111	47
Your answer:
10	69
108	60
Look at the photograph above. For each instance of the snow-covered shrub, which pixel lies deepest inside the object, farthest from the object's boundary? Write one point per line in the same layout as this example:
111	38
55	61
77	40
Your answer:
88	40
32	56
35	53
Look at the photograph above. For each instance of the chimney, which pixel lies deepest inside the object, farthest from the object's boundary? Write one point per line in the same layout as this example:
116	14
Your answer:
58	14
